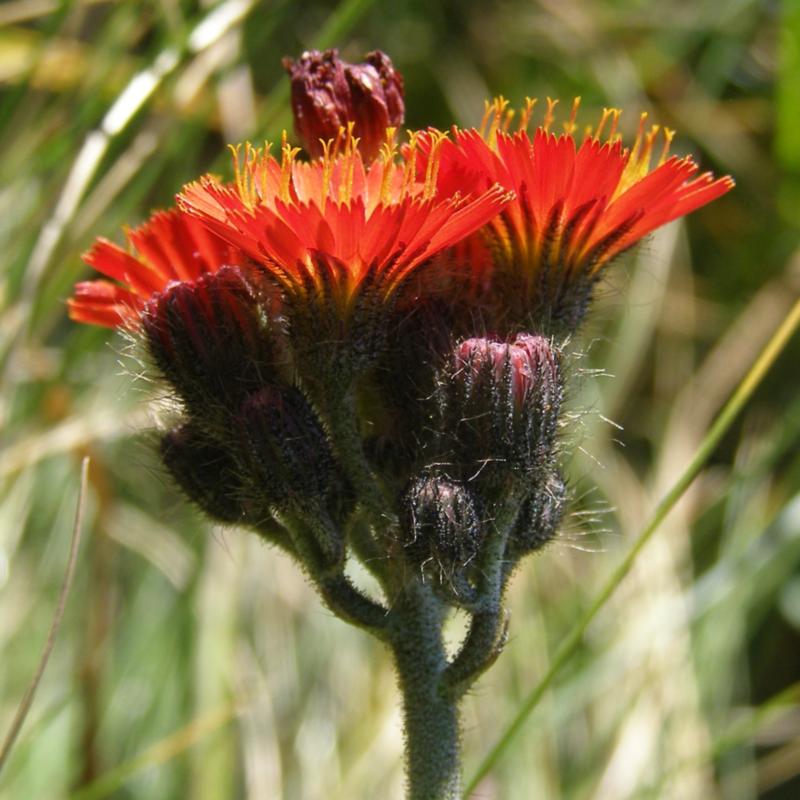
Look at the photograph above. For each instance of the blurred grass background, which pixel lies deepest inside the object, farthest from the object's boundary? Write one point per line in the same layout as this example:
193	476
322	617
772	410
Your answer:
193	661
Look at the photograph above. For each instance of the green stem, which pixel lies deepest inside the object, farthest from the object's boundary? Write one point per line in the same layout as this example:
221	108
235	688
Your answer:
368	551
570	645
343	425
431	718
488	629
334	587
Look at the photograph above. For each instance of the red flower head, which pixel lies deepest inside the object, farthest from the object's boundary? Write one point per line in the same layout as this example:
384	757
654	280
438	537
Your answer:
170	246
578	204
328	93
333	230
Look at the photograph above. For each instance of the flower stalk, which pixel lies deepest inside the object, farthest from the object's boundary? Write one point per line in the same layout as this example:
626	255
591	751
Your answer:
430	716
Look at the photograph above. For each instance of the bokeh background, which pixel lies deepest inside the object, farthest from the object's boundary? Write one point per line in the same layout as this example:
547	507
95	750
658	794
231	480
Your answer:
194	662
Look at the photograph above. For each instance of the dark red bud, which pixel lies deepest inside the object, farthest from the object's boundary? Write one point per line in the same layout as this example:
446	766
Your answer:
539	517
441	527
210	338
287	446
328	93
205	471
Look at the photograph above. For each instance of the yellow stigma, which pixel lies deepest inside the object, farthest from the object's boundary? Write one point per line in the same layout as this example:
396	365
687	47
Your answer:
640	155
387	155
288	156
507	120
432	171
669	135
549	115
249	172
348	164
487	112
327	170
410	171
612	114
570	125
526	113
497	116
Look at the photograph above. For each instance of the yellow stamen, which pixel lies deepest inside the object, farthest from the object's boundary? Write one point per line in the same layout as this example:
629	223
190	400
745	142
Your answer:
348	166
245	166
638	164
570	126
388	151
604	117
499	107
487	112
637	145
549	114
237	173
288	156
647	150
432	171
327	170
410	173
264	172
526	113
507	120
343	136
612	134
669	134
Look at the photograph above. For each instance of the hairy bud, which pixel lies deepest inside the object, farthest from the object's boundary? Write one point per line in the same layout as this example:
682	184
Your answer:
205	471
500	403
328	93
210	339
539	517
441	528
287	446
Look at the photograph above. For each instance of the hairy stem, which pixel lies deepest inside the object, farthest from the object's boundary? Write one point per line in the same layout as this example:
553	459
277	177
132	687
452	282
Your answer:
368	551
431	718
488	628
329	579
343	425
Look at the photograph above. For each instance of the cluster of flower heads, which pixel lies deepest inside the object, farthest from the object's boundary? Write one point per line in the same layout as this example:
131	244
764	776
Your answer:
306	308
533	216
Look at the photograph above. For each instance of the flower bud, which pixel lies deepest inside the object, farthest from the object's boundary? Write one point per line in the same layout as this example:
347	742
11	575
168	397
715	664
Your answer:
539	517
288	448
441	528
516	369
210	339
500	405
328	93
205	471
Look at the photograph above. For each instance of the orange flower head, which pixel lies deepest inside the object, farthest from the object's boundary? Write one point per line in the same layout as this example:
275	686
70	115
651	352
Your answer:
580	201
171	246
334	230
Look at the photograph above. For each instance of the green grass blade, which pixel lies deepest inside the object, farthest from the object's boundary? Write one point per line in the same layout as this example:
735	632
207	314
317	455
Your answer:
160	753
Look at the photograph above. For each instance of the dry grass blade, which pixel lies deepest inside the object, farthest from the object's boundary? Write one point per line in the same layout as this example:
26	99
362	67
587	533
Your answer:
27	699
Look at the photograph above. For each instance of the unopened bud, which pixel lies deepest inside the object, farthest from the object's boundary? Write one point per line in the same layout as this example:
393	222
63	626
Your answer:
328	93
210	339
539	517
205	471
516	370
441	528
287	446
500	405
